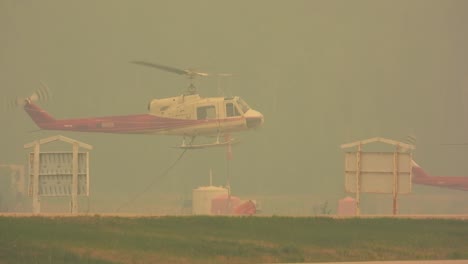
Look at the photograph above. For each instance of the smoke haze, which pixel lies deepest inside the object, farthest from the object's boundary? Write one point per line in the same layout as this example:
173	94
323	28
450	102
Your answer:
323	73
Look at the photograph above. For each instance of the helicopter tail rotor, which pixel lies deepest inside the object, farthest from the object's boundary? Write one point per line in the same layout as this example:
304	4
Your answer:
40	94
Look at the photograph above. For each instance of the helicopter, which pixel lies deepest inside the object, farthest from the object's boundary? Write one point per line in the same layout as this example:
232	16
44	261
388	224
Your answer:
188	115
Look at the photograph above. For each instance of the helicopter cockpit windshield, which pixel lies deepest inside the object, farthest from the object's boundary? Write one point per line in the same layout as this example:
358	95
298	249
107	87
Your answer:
243	105
235	107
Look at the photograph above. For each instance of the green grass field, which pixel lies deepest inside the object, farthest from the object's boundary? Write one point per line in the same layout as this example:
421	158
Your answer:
200	239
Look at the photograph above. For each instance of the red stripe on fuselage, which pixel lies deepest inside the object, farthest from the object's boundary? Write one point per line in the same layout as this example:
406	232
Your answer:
135	124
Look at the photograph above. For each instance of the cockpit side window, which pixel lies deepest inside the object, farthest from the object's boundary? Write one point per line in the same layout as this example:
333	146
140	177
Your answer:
206	112
231	110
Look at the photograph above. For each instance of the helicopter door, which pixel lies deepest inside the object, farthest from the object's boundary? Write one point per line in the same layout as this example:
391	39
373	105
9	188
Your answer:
232	114
208	112
231	110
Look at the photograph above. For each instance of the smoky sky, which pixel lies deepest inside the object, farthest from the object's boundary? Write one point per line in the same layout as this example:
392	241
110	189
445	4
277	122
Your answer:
323	73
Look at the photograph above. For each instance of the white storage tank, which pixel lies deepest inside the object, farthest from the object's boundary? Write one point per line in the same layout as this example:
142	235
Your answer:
202	196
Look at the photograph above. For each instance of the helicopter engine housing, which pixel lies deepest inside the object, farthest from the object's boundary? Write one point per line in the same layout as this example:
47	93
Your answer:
158	106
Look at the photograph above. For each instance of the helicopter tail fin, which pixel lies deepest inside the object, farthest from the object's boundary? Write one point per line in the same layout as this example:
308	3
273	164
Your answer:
37	114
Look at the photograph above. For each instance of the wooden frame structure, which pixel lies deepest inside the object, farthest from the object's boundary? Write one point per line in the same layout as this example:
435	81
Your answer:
36	145
400	147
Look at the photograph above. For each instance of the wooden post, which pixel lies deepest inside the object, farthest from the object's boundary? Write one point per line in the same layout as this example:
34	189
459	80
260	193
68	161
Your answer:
358	180
395	180
36	203
74	195
87	175
227	138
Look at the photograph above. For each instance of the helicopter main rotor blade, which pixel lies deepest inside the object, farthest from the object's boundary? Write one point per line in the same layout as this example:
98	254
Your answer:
161	67
190	73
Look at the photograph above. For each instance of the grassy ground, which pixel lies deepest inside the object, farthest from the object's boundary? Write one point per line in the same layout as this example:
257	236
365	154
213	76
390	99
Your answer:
227	240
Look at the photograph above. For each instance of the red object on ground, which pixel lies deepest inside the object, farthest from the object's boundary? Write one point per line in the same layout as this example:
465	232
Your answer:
231	205
246	208
347	206
224	204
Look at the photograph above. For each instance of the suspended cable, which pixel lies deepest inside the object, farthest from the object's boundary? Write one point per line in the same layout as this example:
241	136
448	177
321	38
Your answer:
148	187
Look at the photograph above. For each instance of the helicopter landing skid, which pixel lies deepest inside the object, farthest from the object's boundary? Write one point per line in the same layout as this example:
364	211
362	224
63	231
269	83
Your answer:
208	145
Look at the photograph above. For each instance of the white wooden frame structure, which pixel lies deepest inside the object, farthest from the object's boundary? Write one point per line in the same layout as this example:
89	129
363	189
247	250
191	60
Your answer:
36	145
400	148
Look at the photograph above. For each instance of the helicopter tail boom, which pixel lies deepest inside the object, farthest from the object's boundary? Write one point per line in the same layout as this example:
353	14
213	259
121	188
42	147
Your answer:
37	114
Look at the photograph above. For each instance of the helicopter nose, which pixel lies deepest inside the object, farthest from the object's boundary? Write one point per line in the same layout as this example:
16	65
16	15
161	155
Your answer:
253	118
